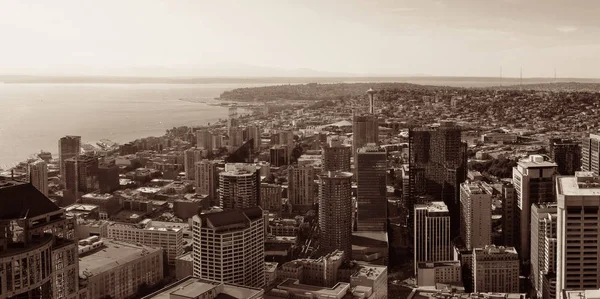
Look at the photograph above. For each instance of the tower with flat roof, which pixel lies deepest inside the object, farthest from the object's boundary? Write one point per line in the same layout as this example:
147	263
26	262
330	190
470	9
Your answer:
68	147
590	154
431	233
38	175
475	215
371	191
239	186
335	212
336	156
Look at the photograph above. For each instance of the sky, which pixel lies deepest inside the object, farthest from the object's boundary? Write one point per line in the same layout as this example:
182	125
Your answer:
358	37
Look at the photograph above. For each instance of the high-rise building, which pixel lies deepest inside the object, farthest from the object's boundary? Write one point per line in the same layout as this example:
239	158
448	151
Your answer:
207	180
81	177
270	197
204	140
229	246
217	141
371	192
543	244
533	179
236	137
38	175
278	155
336	156
578	236
335	212
438	165
475	215
38	252
191	156
567	155
590	154
108	178
239	186
68	147
431	233
286	138
495	269
509	215
371	93
301	185
365	129
253	133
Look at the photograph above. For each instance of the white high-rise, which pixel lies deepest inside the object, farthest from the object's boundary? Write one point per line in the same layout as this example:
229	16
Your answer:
475	215
207	180
190	158
432	233
239	186
578	232
38	175
229	246
301	185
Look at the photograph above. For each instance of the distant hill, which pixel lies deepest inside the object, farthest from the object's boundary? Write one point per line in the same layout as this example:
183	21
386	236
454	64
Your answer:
558	86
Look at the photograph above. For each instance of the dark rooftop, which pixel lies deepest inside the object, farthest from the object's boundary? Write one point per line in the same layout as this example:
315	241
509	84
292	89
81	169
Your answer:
20	200
226	218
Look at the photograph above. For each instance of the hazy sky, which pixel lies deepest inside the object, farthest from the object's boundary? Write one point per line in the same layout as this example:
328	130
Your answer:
389	37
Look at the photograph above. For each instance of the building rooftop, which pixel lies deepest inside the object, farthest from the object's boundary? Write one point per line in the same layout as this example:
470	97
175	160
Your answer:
536	161
336	174
191	287
435	206
227	218
371	272
493	249
583	183
581	294
432	293
23	200
113	254
336	291
271	267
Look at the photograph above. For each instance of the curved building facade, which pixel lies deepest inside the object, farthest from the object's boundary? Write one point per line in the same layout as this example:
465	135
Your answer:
335	211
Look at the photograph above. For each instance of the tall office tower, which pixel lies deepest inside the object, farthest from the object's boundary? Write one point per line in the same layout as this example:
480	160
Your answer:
286	138
232	121
81	177
475	215
371	192
236	137
365	129
270	197
217	141
38	251
431	233
578	236
108	178
239	186
278	155
207	180
204	140
495	269
533	179
190	158
336	156
335	212
567	155
68	147
543	244
590	154
301	185
254	134
438	165
229	246
371	93
509	215
38	176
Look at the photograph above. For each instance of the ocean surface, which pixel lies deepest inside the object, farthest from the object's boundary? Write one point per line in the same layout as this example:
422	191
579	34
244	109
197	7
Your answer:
34	116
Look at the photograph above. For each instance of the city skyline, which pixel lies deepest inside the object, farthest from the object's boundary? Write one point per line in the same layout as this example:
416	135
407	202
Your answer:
273	38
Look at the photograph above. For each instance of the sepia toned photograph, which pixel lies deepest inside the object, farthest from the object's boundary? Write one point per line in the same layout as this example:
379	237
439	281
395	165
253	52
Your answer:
300	149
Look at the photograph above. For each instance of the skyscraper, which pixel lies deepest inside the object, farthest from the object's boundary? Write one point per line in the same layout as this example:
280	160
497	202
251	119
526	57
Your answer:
590	154
371	192
207	180
301	185
509	215
365	129
278	155
108	178
567	155
475	215
335	212
190	157
253	133
68	147
578	236
336	156
38	176
239	186
533	179
229	246
81	176
438	165
431	233
543	244
270	197
204	140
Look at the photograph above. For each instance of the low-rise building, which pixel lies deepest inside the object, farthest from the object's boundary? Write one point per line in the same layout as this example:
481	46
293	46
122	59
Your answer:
117	269
370	281
495	269
430	274
197	288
